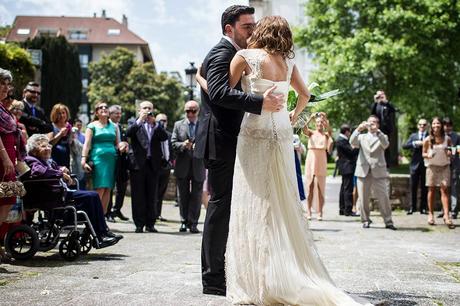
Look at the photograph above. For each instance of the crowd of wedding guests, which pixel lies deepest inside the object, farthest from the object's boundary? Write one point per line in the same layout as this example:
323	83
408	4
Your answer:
106	155
103	158
362	162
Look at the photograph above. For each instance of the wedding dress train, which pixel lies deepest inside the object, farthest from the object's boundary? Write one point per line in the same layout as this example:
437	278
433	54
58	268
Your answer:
271	258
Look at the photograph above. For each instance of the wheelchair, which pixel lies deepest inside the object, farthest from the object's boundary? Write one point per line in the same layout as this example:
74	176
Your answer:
57	221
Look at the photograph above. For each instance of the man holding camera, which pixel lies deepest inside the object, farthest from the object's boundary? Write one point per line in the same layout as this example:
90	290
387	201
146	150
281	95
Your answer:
189	170
145	157
386	113
371	170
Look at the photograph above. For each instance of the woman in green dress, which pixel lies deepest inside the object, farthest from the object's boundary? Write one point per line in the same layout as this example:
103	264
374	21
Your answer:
100	152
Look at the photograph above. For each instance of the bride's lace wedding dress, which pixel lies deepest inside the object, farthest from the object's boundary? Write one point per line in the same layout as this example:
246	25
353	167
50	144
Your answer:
271	257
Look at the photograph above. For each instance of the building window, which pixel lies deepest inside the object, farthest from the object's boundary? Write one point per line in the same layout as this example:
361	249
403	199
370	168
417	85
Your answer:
23	31
48	32
78	35
84	59
84	83
113	32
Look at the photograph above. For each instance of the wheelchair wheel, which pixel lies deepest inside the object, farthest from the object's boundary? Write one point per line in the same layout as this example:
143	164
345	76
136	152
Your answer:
48	238
22	242
69	249
85	240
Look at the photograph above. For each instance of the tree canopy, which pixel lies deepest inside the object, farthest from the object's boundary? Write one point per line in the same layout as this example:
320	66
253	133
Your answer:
17	60
409	48
119	79
60	72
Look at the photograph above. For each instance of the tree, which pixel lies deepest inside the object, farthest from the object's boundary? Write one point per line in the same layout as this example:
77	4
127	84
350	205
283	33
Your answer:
17	60
119	79
408	48
4	30
60	72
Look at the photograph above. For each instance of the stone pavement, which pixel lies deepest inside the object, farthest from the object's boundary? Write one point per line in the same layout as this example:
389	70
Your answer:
416	265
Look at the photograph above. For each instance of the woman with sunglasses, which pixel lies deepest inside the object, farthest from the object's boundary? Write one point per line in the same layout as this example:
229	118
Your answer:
100	152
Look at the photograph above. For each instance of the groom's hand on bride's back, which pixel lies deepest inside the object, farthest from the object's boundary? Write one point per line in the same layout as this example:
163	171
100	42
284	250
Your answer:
273	102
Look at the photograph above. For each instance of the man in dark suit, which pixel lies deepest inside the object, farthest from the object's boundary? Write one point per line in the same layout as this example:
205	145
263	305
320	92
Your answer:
386	113
454	166
33	116
223	110
121	168
167	162
346	165
417	167
145	162
189	170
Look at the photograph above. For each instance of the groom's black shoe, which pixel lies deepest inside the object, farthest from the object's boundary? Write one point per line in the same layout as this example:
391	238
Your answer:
214	291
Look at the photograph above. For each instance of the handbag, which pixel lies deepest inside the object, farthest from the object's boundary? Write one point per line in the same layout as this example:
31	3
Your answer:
11	189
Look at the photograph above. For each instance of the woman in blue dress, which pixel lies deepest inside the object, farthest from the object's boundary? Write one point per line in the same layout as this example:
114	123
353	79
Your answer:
60	138
100	152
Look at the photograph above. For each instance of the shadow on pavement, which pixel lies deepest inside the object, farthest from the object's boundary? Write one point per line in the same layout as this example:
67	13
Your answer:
55	260
393	298
332	230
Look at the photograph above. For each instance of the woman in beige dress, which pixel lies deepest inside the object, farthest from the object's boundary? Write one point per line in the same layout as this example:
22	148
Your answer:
319	142
437	160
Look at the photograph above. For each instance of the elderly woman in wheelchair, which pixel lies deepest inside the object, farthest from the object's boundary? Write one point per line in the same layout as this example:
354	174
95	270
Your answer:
44	169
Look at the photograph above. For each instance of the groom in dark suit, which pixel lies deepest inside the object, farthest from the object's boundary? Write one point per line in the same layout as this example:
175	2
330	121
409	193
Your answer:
223	109
145	156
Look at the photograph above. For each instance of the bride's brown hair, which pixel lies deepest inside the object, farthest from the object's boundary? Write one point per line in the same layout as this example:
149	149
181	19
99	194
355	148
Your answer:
273	34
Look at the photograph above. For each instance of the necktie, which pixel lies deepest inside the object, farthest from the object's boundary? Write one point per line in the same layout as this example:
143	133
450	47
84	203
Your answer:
33	110
192	130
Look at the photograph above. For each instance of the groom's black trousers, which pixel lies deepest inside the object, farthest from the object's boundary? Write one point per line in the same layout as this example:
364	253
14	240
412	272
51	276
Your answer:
215	232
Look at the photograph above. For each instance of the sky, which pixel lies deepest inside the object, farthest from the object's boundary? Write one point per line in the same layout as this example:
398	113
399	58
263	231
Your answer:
178	31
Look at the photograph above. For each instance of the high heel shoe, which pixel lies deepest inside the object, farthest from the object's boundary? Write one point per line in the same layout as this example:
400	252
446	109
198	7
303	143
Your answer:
449	223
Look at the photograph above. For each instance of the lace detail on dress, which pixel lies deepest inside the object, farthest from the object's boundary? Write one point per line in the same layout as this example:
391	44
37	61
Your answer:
254	58
271	257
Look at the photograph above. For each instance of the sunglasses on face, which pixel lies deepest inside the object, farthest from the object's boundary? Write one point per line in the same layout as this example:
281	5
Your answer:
102	107
164	121
193	111
422	124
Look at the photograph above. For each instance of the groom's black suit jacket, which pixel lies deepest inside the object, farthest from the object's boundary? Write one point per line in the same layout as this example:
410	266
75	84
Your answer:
223	107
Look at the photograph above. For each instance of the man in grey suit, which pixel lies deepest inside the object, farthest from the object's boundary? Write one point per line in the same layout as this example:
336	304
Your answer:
189	170
371	170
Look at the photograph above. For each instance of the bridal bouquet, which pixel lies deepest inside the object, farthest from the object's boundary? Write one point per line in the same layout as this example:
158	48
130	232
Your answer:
316	96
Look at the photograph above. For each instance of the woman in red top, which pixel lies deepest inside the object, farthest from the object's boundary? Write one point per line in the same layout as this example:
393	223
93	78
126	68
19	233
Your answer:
11	145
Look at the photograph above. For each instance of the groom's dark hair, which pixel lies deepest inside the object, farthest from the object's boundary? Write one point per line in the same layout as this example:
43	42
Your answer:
232	14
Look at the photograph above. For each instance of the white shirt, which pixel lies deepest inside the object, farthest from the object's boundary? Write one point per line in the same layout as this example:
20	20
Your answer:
238	48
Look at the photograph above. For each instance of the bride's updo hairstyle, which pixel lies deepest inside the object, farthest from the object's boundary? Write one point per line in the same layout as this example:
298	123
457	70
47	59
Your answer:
273	34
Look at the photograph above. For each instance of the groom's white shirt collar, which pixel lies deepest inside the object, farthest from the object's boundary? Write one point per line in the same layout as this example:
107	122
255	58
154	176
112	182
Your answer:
238	48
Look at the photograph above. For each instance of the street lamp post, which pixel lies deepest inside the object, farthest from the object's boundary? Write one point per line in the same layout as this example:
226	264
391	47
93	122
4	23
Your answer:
190	74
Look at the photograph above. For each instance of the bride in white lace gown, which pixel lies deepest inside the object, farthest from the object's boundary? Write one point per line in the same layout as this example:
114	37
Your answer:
271	257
